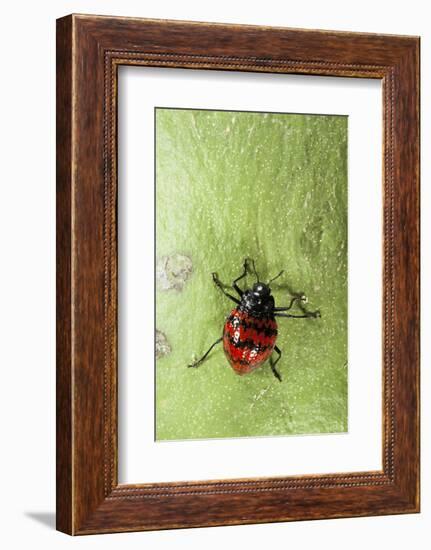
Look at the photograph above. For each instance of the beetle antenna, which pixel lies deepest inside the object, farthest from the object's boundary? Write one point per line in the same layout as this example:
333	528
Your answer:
255	272
276	277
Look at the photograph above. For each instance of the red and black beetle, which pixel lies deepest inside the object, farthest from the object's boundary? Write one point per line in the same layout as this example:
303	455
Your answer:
250	331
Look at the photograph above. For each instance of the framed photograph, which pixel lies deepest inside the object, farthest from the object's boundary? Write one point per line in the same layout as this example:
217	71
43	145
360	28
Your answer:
237	274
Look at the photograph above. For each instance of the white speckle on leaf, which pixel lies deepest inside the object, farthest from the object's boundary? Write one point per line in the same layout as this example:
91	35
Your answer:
173	271
162	345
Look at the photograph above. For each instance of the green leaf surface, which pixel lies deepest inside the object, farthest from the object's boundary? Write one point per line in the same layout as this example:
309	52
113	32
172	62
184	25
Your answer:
272	187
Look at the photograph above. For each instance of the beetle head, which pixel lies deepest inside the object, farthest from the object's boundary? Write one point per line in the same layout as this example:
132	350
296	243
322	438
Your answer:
258	300
261	290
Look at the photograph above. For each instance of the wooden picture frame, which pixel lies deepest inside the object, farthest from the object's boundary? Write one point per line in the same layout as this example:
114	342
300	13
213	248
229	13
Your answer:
89	51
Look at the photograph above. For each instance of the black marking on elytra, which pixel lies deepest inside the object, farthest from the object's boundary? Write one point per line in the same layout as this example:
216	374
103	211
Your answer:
246	362
249	343
236	323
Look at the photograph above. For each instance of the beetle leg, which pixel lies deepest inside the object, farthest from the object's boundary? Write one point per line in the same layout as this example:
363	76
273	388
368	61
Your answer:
202	359
221	287
314	314
301	298
273	363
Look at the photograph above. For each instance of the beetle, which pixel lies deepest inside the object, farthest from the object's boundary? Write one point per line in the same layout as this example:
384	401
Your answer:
250	331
